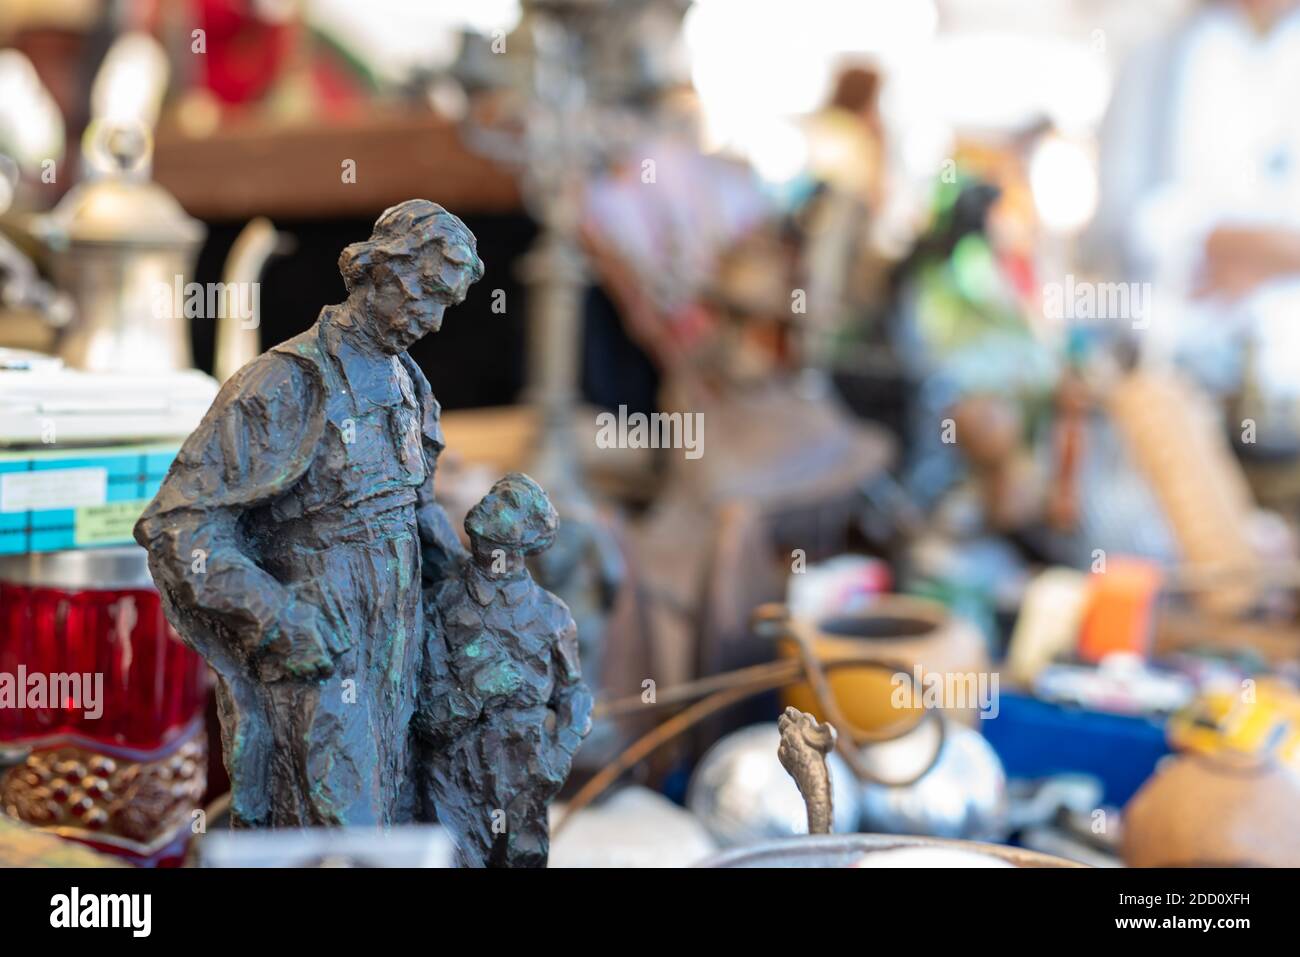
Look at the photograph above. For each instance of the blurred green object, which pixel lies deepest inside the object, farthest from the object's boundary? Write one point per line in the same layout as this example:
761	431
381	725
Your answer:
971	325
969	321
972	603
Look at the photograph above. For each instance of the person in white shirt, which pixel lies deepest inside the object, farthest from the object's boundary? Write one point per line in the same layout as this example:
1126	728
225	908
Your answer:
1201	190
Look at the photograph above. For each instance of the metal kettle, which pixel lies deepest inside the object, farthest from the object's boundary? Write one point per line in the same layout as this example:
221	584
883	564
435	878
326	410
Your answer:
122	247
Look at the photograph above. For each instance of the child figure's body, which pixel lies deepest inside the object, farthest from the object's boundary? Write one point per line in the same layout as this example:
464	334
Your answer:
502	706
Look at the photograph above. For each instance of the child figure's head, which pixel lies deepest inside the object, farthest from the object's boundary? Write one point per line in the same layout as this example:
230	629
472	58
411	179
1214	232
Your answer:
513	520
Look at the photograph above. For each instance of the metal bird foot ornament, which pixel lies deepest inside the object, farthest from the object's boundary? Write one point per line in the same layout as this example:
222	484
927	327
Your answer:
369	670
805	742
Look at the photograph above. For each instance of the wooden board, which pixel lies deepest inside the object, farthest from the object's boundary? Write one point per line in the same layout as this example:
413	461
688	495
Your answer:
255	167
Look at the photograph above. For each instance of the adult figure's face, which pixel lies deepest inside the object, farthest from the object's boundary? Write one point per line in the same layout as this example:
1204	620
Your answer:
407	298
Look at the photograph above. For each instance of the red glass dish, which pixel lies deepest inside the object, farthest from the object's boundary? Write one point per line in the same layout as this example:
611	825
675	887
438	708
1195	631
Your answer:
94	616
153	686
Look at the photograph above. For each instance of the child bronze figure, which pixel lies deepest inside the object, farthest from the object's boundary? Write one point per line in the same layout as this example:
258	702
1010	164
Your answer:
501	706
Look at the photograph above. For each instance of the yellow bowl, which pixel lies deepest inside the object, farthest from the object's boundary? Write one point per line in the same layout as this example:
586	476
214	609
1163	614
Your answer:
900	631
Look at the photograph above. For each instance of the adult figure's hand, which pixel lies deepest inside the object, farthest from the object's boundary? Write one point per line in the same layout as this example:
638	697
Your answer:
296	649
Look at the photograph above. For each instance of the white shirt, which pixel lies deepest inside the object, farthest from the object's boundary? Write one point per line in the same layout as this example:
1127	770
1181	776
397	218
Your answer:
1204	131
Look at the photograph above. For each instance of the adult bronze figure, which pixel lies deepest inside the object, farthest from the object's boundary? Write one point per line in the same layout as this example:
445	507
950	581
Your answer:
290	537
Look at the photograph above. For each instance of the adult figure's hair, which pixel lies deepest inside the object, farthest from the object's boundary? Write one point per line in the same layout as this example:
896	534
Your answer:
403	232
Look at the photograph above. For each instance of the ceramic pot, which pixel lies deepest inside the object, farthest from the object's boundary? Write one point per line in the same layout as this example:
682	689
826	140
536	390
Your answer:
1202	811
1231	795
898	630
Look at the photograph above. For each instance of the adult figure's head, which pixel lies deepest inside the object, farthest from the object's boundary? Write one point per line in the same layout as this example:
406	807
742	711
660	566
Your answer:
419	260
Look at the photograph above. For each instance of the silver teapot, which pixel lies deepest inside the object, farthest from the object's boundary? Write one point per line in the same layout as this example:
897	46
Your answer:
121	247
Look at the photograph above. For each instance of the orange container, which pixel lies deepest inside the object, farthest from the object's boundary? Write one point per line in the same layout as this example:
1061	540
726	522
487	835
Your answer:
1118	618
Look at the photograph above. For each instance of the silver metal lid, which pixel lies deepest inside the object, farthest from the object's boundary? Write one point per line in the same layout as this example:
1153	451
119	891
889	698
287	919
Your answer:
95	569
848	850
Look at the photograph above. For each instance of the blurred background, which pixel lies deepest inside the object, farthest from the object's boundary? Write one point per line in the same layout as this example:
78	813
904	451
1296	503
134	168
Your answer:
949	346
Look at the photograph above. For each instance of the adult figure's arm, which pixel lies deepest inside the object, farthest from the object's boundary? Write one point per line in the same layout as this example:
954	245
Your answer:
442	552
252	446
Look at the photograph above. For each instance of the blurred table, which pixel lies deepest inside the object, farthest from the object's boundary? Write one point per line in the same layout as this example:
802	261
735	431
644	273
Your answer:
23	846
1274	642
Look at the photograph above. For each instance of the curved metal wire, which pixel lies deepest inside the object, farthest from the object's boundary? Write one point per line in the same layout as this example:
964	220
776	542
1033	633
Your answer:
714	693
